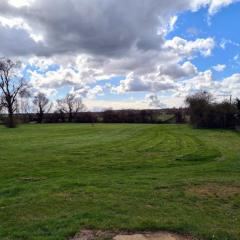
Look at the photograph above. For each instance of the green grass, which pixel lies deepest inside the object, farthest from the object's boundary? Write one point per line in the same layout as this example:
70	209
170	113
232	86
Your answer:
58	179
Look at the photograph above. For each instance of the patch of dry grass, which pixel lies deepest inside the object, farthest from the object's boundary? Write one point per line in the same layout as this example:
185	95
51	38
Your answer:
214	190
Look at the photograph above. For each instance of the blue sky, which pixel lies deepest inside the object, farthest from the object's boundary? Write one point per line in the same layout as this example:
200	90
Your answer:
223	26
125	54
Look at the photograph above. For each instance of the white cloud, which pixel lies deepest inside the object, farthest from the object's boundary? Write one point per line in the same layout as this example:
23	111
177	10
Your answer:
20	24
219	67
193	31
169	26
163	102
88	92
216	5
20	3
236	57
149	82
225	42
151	71
202	81
188	48
42	63
100	105
172	23
232	85
205	81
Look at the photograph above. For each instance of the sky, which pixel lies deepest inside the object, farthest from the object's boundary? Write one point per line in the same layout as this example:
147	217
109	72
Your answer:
124	54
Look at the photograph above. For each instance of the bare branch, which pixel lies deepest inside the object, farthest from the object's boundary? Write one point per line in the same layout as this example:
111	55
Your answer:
71	105
43	105
10	85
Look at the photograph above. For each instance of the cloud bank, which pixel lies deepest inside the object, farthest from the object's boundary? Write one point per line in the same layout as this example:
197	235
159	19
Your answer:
96	40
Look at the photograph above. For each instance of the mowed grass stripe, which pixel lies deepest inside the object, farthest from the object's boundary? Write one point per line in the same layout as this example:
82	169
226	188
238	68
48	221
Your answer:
58	179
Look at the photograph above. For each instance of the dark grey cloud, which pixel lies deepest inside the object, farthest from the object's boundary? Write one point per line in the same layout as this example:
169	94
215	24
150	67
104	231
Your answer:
176	71
98	27
17	42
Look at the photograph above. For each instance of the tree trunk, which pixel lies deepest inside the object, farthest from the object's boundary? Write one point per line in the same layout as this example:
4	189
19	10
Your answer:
70	116
11	122
40	117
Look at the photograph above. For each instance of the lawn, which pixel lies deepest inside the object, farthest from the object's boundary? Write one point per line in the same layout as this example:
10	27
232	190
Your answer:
58	179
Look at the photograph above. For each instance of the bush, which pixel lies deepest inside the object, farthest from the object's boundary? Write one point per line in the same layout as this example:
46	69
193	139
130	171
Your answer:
205	113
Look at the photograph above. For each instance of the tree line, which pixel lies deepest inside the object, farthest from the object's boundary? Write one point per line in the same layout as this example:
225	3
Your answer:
147	116
17	103
202	110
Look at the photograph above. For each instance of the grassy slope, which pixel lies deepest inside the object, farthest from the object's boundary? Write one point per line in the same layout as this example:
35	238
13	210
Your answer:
57	179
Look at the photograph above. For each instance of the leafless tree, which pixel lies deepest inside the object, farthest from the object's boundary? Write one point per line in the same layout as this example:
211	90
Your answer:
24	106
25	103
70	105
42	104
12	86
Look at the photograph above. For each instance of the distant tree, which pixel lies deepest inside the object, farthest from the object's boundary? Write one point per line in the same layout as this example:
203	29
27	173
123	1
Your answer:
86	117
42	104
179	116
205	113
25	106
199	108
12	86
144	116
61	115
71	105
225	115
110	116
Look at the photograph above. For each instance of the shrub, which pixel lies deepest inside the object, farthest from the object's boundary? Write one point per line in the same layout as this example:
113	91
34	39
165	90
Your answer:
205	113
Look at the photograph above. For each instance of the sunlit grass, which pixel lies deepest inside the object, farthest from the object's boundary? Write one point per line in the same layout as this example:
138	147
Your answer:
58	179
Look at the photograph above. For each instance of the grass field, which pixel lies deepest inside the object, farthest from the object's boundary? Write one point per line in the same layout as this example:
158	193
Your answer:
58	179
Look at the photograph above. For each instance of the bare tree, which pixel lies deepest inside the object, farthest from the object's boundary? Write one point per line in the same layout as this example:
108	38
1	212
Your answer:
12	86
70	105
24	103
24	106
43	105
